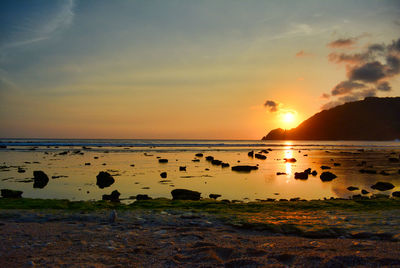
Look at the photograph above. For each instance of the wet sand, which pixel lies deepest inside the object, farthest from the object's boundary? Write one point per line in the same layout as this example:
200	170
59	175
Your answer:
173	238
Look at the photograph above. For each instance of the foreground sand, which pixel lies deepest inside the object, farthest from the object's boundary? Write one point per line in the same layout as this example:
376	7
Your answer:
173	238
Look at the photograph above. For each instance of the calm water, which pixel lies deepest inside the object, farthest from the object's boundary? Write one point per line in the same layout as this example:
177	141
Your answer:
117	156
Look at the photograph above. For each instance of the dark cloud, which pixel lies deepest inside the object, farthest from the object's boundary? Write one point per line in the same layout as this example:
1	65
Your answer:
384	86
345	87
369	71
343	43
271	105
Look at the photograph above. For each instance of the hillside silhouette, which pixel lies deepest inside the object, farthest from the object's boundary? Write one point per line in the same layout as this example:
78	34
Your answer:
370	119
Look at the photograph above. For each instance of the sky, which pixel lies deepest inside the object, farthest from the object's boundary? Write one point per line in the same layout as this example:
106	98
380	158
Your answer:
188	69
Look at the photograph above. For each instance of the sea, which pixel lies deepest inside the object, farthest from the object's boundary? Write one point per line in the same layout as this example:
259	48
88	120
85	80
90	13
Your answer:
73	164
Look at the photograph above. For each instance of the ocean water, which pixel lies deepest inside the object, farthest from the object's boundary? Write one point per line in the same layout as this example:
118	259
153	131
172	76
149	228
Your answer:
75	180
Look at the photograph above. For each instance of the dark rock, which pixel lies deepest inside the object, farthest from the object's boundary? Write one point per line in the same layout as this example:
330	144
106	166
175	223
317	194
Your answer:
162	160
199	155
352	188
140	197
394	160
182	168
163	175
384	173
195	160
336	164
216	162
209	158
364	191
251	154
368	171
308	171
327	176
214	196
382	186
40	179
132	165
7	193
396	194
87	164
260	156
290	160
325	167
314	173
280	173
21	170
104	179
113	197
224	165
244	168
183	194
301	175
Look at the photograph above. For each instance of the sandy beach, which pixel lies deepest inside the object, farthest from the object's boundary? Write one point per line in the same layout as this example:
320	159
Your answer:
174	238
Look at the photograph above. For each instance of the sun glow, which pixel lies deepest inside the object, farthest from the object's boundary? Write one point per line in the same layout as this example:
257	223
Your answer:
288	117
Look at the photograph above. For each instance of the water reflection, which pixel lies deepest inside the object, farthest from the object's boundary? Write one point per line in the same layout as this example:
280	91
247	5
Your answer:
288	153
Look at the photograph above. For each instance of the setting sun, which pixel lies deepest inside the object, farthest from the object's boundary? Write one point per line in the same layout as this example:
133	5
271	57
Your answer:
288	117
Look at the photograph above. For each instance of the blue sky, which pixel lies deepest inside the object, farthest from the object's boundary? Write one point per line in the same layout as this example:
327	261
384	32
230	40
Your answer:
177	69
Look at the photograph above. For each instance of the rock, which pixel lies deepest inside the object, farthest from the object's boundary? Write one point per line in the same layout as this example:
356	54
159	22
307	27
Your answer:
182	168
113	197
327	176
352	188
199	155
290	160
336	164
368	171
163	175
143	197
162	160
314	173
216	162
224	165
301	175
7	193
260	156
214	196
195	160
394	160
364	191
209	158
104	179
21	170
308	171
40	179
87	164
113	216
396	194
132	165
183	194
382	186
325	167
280	173
384	173
244	168
251	154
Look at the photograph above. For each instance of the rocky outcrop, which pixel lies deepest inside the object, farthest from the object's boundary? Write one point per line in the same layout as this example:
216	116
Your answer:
370	119
104	179
40	179
183	194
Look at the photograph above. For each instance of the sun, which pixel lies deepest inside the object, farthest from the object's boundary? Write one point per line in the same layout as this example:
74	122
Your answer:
288	117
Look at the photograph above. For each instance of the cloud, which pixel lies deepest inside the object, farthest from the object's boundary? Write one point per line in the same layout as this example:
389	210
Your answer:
369	71
343	43
37	30
345	87
271	105
384	86
302	53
